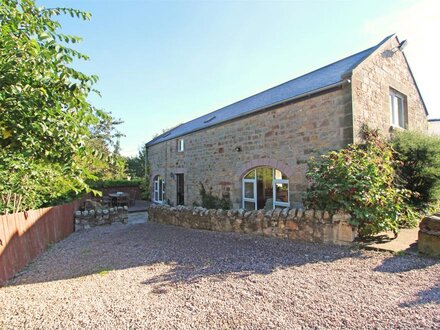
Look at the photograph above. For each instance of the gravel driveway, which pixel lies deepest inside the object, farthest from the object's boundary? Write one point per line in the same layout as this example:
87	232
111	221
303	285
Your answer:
162	277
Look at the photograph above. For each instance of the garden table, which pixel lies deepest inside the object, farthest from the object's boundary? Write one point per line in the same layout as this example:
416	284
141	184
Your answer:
119	198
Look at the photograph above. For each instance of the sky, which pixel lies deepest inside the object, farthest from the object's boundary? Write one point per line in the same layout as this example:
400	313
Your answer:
162	63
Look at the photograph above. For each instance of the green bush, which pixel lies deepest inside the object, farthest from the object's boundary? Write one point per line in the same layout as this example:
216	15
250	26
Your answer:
209	201
30	184
116	183
145	189
361	180
420	172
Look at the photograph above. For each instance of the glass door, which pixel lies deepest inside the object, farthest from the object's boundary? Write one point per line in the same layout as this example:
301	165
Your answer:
250	191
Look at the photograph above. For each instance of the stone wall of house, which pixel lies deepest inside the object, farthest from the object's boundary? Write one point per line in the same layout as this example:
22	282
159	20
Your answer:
429	235
284	138
309	225
371	82
100	216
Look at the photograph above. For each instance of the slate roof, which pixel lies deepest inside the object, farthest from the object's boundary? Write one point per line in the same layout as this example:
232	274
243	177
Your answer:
325	77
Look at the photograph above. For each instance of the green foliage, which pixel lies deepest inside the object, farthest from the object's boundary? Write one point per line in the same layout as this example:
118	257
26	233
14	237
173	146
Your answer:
420	172
116	183
209	201
106	163
145	188
136	165
46	121
361	180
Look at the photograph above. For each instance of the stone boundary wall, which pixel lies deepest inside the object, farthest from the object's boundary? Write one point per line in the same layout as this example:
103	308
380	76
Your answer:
429	235
100	216
296	224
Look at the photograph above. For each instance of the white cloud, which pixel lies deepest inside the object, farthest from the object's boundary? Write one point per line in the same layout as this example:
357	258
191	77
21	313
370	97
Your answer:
419	23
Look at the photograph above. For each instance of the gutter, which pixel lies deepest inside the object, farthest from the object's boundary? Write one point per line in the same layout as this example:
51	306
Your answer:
303	95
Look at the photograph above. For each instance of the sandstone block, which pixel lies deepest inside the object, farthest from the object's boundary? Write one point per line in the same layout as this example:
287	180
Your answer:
429	236
291	225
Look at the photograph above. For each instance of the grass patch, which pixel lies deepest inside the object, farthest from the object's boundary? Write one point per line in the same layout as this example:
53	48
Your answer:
103	271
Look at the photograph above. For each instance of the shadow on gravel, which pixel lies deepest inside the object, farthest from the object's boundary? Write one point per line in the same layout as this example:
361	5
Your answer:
401	264
192	254
431	295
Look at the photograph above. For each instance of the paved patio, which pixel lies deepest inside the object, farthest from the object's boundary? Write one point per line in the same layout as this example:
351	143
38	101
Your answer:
138	206
163	277
406	242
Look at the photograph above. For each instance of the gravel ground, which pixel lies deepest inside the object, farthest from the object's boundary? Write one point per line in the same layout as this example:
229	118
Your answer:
162	277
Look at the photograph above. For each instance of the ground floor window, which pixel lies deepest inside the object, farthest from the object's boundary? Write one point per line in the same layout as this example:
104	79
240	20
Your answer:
159	189
265	188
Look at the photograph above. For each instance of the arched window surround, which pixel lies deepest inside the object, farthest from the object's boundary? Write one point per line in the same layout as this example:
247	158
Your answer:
269	162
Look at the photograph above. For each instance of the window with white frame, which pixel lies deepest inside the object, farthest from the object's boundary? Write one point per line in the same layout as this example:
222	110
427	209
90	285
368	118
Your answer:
265	188
180	145
397	109
159	189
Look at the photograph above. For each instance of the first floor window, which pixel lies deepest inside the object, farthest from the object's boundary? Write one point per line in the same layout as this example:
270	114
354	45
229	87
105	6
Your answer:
397	109
159	189
180	145
265	188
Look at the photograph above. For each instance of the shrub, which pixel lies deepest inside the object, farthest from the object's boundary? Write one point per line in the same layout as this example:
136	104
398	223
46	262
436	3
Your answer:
420	172
361	180
30	184
210	201
116	183
145	188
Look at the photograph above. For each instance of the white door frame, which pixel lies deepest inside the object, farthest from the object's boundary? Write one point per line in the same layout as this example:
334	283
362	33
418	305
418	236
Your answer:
274	191
254	183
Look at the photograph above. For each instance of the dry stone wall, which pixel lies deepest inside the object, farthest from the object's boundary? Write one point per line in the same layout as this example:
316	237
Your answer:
100	216
289	223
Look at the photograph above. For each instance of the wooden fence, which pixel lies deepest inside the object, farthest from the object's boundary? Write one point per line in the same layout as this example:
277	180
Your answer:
24	235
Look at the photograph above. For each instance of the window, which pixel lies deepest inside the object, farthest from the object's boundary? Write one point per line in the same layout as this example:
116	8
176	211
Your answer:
265	188
397	109
180	145
209	119
159	189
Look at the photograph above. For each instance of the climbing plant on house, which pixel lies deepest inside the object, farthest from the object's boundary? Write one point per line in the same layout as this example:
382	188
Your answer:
45	115
361	180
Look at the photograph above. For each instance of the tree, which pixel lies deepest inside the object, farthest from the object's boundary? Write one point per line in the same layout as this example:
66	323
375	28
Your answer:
45	116
420	154
136	165
104	141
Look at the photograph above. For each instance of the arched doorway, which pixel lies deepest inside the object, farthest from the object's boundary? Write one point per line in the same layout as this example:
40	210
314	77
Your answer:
265	188
158	189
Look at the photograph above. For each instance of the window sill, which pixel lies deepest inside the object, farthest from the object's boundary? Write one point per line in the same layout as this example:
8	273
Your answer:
397	128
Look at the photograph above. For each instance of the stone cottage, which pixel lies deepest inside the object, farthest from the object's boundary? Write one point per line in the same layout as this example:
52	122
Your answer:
254	151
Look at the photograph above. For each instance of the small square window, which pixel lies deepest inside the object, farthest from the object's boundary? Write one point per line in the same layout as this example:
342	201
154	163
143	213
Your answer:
180	145
397	109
